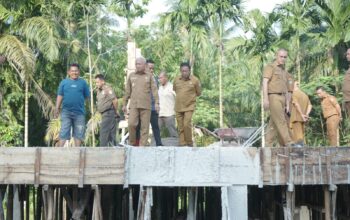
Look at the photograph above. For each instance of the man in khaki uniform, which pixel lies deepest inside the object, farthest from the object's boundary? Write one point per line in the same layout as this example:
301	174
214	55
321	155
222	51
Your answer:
187	87
139	86
332	113
107	105
276	100
300	110
346	87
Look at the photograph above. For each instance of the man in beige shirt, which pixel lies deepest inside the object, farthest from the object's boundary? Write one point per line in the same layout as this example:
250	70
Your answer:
300	110
276	100
139	86
167	105
187	87
332	113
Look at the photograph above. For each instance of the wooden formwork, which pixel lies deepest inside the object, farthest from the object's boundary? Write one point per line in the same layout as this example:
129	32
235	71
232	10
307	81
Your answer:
62	166
305	166
132	180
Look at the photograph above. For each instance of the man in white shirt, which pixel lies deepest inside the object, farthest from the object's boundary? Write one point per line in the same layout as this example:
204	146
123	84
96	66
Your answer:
166	104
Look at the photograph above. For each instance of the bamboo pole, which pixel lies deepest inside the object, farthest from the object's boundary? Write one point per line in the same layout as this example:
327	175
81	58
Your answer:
221	113
90	78
26	115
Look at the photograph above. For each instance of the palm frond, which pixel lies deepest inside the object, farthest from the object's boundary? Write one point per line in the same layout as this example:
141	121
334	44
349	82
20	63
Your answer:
44	100
6	15
52	131
92	125
18	54
42	33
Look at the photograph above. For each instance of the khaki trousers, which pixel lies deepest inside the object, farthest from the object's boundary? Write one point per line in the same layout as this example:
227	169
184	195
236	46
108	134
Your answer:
184	124
298	130
278	125
332	123
144	116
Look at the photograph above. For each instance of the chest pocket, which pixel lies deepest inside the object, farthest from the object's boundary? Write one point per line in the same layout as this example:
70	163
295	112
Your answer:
277	74
186	86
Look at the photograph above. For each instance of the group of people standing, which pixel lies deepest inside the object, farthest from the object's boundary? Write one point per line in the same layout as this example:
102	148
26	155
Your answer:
148	100
151	99
290	107
145	104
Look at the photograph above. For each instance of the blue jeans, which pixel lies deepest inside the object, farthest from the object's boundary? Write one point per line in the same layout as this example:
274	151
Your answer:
71	120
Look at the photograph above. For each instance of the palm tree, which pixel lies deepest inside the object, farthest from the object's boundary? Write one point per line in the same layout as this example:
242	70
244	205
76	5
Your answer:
223	10
40	34
257	49
130	10
335	17
188	20
296	22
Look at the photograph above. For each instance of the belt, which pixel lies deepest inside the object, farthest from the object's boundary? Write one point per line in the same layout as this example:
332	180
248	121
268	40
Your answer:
277	93
107	110
332	116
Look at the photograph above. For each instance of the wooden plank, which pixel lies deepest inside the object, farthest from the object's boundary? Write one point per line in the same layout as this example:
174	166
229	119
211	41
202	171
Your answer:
309	164
61	166
16	165
104	166
327	203
289	210
81	167
37	167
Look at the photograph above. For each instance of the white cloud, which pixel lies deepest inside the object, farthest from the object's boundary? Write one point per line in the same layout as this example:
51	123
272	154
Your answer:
155	8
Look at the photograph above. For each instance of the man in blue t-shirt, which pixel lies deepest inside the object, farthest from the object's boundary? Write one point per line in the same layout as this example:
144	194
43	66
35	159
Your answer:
72	93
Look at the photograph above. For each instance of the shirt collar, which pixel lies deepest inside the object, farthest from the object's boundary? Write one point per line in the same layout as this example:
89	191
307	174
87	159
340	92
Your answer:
327	96
140	73
189	78
277	65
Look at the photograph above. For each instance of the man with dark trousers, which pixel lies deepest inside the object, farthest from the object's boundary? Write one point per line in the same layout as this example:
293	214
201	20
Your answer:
107	105
154	113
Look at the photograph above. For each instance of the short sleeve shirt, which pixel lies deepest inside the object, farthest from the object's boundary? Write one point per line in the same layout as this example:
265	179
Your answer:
278	78
74	93
329	106
303	100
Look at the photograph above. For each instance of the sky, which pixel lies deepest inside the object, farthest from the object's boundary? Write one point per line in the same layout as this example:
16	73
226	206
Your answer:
157	7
